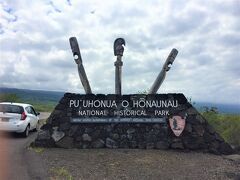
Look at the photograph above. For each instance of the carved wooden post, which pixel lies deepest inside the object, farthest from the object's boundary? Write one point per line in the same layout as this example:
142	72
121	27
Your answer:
118	51
161	76
78	60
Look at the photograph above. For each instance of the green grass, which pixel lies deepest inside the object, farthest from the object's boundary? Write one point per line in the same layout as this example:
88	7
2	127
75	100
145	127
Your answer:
36	149
61	173
227	125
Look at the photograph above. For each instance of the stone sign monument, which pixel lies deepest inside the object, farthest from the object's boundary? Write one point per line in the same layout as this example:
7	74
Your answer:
146	121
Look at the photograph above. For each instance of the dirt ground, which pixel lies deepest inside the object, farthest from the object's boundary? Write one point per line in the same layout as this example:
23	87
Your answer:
137	164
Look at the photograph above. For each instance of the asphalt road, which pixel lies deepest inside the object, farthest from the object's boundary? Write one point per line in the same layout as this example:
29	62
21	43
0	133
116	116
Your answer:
17	162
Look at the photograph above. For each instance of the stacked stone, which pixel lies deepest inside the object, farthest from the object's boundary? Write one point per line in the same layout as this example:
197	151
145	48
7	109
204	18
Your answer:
198	135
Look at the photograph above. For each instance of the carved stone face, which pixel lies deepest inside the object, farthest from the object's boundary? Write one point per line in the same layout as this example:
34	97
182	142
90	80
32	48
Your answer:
119	46
119	50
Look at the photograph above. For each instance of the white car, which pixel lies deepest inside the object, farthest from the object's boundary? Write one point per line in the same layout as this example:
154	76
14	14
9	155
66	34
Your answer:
18	117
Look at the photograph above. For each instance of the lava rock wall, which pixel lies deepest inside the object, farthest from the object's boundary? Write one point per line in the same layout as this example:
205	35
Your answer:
198	135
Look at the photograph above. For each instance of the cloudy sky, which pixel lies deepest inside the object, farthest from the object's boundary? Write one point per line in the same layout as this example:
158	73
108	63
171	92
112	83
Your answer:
35	51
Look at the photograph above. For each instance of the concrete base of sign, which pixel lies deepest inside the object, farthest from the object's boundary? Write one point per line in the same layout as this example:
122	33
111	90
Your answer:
198	135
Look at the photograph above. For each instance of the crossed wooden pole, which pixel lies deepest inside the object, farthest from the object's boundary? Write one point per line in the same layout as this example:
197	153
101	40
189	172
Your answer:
161	76
118	48
78	60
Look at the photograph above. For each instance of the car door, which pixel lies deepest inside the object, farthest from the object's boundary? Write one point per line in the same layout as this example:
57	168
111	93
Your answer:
32	117
36	118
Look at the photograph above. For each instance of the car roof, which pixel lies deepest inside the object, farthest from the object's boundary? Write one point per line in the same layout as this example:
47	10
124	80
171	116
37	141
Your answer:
17	104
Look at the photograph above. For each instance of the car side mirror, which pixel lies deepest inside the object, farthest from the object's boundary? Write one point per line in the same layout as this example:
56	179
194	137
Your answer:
38	113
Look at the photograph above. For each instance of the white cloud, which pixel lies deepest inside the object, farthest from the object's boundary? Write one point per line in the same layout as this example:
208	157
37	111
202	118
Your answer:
35	52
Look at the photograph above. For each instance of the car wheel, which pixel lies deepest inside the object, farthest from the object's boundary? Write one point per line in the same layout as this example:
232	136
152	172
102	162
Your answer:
26	132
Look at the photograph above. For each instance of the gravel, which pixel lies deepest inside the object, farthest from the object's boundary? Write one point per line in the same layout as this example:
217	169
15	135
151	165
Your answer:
140	164
44	115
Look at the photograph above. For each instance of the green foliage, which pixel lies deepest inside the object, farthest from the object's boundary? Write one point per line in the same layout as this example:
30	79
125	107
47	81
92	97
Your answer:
46	106
227	125
9	97
42	107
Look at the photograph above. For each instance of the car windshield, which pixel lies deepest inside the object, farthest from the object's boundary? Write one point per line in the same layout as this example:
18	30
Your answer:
7	108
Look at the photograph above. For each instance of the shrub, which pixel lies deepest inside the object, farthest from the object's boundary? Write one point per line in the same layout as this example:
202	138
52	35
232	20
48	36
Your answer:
227	125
